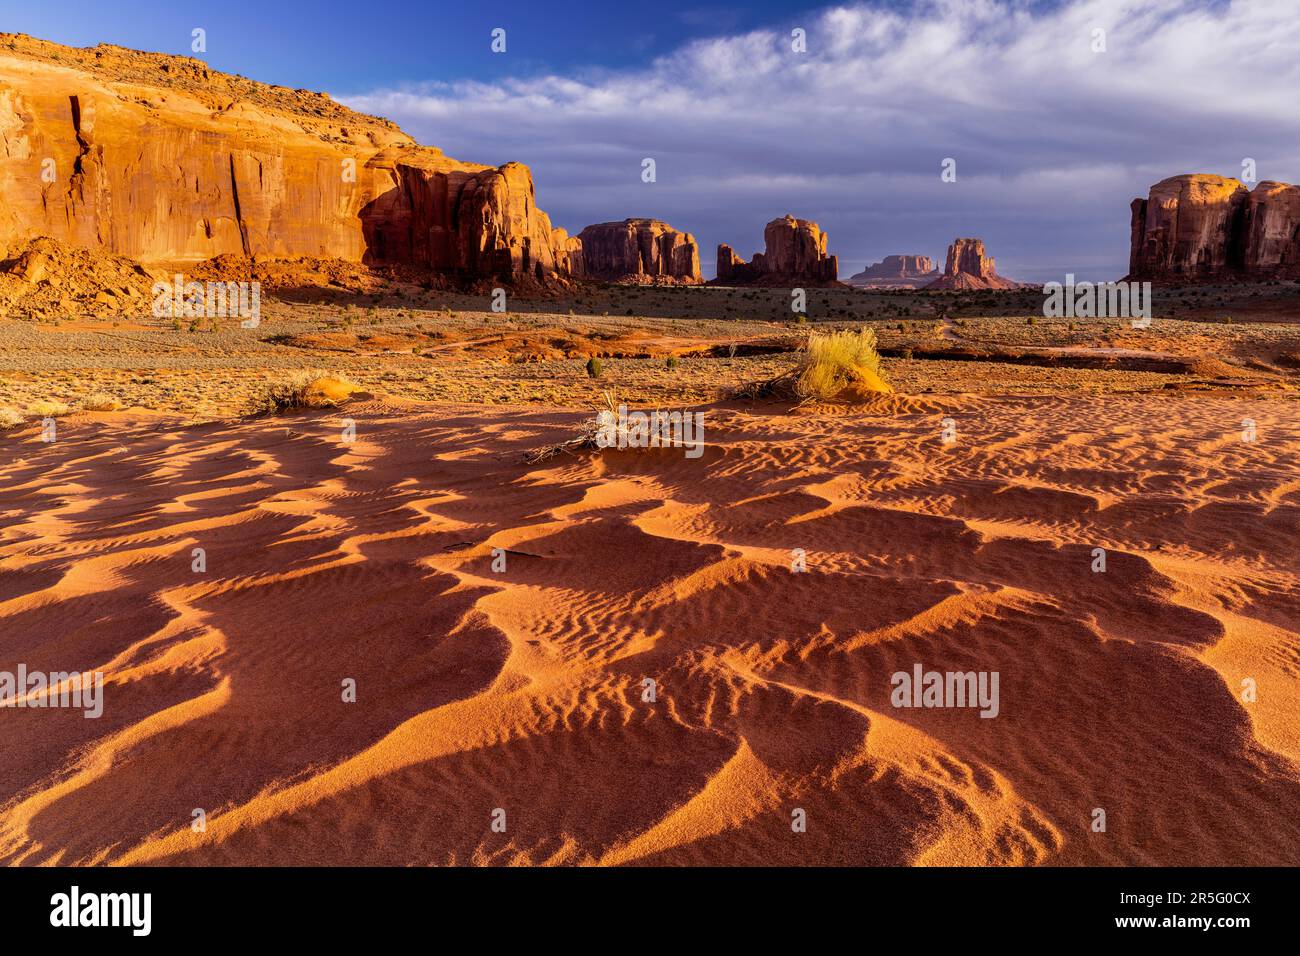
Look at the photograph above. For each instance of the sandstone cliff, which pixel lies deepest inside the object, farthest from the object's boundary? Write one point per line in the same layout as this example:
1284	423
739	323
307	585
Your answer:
161	159
968	267
896	272
795	254
1200	227
639	250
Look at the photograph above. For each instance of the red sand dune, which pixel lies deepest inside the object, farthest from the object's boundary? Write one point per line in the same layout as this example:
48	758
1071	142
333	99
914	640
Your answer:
522	690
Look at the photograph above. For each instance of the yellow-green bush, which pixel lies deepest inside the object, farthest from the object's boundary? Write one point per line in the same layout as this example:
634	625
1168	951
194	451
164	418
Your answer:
831	362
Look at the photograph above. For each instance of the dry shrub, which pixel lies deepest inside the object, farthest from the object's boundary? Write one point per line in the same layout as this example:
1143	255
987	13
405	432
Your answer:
100	402
10	417
585	440
47	409
301	390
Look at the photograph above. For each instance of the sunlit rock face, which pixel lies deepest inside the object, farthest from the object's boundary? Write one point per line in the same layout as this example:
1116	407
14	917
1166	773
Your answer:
637	249
794	254
161	159
968	267
1201	227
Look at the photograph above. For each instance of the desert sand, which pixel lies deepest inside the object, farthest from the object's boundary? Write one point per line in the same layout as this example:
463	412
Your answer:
521	690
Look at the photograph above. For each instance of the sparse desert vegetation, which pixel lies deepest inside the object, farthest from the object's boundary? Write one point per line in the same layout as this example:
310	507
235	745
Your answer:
684	346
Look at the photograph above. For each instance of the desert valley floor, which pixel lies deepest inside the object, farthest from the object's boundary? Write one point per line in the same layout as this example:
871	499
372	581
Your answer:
521	690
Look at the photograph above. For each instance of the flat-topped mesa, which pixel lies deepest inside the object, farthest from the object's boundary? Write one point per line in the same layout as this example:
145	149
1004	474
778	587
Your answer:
639	250
161	159
1201	227
900	272
969	268
795	255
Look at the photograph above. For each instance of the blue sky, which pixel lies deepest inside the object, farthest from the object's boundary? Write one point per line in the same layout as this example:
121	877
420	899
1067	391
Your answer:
1052	137
354	46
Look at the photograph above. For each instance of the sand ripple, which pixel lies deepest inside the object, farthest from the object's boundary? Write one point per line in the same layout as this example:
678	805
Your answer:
523	690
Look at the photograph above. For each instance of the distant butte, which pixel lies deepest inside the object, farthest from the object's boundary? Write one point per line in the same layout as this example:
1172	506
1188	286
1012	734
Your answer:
969	268
640	250
795	254
896	272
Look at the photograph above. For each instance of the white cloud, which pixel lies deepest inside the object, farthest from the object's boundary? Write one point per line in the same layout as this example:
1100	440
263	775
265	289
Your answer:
1052	140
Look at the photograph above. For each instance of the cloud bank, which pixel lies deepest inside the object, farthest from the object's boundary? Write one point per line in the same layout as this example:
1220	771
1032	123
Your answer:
1051	139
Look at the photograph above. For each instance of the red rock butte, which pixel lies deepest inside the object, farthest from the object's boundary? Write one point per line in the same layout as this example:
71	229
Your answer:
639	250
1197	226
795	254
969	268
161	159
902	272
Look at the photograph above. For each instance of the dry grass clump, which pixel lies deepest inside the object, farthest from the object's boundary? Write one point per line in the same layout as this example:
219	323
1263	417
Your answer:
835	361
832	365
47	409
10	417
301	390
100	402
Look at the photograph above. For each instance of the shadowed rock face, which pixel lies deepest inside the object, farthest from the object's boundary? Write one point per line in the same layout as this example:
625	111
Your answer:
637	249
896	271
1199	226
1272	243
969	268
795	254
160	159
730	265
